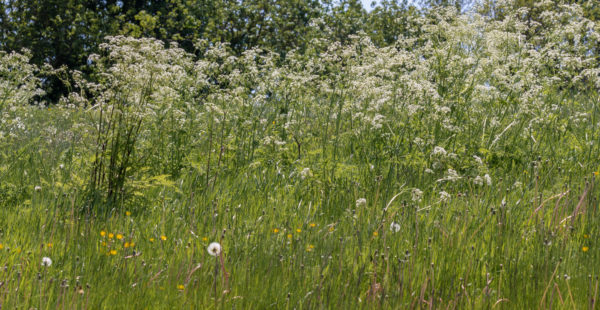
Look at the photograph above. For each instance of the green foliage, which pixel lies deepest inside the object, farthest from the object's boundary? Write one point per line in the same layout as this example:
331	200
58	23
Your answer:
454	168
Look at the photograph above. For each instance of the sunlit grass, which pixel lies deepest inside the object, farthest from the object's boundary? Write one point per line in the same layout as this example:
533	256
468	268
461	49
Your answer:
355	177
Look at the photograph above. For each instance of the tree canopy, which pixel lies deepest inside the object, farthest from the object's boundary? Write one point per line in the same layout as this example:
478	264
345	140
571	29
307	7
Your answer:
63	33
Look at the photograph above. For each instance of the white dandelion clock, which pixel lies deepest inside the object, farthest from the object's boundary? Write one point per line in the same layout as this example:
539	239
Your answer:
395	227
37	188
214	249
46	261
361	202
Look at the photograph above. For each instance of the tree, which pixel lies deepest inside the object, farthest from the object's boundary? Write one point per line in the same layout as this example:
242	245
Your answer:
348	17
390	21
57	32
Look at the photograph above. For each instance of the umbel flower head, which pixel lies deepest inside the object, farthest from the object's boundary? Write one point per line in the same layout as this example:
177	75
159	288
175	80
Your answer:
46	261
214	249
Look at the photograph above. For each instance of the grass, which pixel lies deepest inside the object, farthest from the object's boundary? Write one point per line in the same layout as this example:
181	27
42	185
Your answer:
299	242
439	175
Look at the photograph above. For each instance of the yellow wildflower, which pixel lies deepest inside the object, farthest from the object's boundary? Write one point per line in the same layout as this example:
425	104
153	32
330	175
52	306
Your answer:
298	230
313	224
49	245
289	236
180	287
119	236
275	230
102	233
310	248
113	252
585	249
111	235
1	246
163	238
126	245
375	233
204	239
151	239
127	213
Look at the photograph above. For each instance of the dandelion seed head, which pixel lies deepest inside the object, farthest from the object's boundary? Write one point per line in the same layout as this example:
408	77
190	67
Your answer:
361	202
214	249
46	261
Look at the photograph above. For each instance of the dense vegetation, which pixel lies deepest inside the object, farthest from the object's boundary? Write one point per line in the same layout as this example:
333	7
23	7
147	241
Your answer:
401	158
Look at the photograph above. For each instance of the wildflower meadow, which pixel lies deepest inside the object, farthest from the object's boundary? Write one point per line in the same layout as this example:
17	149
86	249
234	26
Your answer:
454	168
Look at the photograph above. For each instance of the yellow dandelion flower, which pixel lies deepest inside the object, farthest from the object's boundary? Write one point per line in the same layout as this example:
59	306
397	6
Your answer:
113	252
310	248
585	249
49	245
375	234
126	245
131	244
596	173
102	233
1	246
180	287
119	236
331	228
586	236
151	239
298	230
127	213
204	239
289	236
111	235
313	224
163	238
103	243
275	230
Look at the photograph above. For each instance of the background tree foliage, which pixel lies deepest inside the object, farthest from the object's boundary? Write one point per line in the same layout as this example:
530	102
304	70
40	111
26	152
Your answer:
64	33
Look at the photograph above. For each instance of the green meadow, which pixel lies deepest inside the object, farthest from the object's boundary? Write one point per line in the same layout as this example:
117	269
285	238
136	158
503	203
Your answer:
453	169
